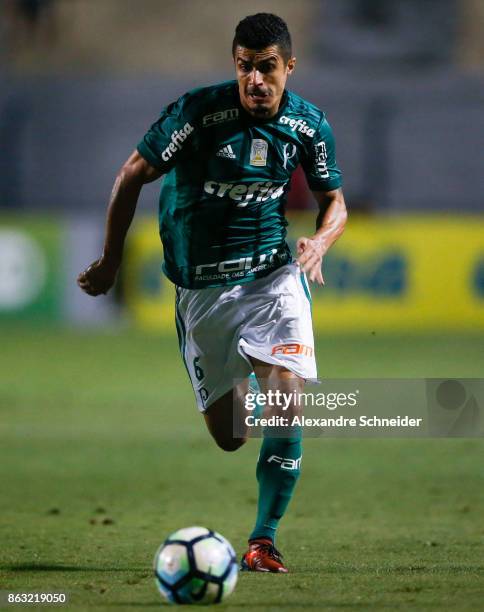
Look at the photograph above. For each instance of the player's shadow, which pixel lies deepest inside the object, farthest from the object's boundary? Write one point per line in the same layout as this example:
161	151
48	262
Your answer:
59	567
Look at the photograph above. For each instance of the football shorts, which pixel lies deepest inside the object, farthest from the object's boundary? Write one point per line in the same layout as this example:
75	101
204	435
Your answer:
220	328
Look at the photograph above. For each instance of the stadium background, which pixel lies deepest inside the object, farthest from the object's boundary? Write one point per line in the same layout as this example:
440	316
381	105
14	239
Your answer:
80	81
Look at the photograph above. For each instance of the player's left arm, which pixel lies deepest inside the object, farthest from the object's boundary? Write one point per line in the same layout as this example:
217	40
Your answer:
330	225
324	180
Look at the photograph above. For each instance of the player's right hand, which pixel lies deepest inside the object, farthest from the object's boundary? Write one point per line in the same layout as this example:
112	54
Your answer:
99	277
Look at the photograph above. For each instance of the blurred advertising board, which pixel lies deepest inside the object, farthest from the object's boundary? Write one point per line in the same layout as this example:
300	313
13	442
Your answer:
386	273
30	269
40	258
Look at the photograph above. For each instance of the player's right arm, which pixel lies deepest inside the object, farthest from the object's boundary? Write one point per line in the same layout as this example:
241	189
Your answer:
169	140
99	277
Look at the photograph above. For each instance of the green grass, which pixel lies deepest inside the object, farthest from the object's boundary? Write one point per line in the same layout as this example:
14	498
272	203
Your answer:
103	426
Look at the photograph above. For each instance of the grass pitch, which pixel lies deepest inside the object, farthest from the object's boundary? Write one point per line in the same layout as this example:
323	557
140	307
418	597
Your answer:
103	454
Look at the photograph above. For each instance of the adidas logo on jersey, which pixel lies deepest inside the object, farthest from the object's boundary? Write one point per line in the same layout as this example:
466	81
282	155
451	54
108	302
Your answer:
226	152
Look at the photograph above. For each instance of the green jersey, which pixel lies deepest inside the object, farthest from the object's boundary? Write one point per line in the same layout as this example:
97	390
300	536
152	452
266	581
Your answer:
227	177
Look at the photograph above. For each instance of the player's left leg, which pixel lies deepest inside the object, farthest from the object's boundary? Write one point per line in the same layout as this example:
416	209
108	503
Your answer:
224	417
278	469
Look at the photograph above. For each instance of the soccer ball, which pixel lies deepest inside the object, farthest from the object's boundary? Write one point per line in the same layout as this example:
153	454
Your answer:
195	566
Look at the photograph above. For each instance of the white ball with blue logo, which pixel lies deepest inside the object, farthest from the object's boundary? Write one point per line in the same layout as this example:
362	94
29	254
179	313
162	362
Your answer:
195	566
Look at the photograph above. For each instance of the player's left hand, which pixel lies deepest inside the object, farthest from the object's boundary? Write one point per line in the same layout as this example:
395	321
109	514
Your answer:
310	258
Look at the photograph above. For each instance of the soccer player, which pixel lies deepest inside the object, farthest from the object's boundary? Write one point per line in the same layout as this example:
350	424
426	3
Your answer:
242	303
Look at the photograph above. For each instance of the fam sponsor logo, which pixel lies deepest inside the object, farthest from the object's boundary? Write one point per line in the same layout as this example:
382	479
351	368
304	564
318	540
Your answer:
321	159
242	193
177	137
229	114
293	348
286	463
298	124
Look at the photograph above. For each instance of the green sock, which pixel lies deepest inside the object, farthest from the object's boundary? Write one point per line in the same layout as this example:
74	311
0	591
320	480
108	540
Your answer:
277	472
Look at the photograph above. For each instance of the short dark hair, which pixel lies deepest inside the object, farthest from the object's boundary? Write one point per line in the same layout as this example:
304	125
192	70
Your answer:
263	30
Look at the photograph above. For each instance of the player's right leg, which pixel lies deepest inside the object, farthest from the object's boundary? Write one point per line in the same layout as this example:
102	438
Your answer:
207	322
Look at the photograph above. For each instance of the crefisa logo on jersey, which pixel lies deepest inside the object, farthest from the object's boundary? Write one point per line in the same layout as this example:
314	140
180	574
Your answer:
244	193
298	124
177	137
258	152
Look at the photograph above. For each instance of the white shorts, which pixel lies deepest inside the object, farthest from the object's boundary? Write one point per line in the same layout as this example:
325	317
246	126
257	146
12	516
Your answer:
220	327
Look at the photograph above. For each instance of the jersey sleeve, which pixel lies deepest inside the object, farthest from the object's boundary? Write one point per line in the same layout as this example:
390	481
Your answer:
171	138
319	164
